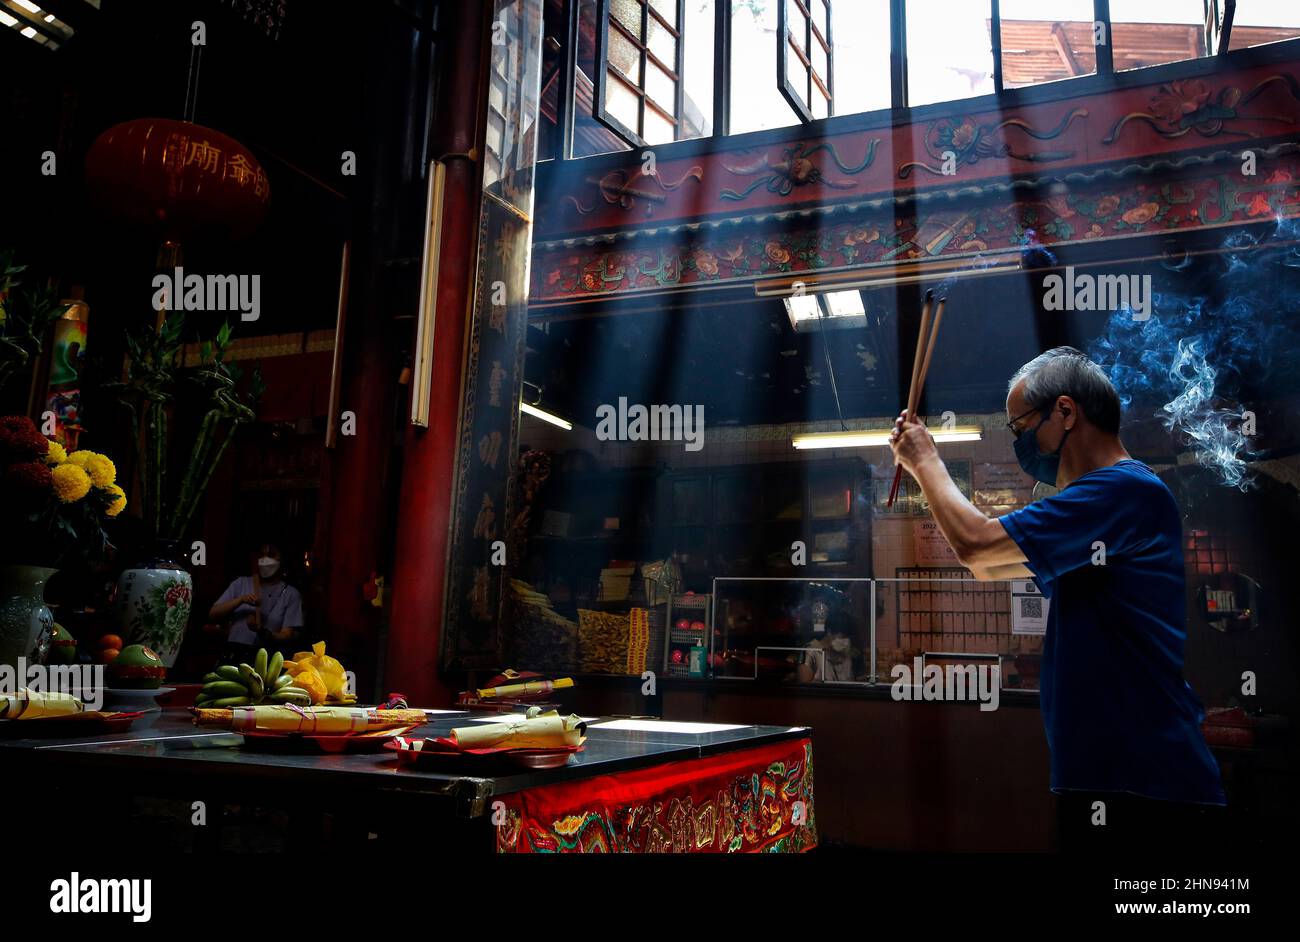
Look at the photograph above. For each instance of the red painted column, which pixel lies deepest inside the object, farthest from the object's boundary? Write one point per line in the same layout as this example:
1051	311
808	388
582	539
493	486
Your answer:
419	553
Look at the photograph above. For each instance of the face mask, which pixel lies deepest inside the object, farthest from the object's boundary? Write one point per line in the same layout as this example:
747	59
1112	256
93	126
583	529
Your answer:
267	567
840	644
1037	465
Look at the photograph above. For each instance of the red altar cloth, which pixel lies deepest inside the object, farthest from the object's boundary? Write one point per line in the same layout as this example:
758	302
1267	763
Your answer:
756	800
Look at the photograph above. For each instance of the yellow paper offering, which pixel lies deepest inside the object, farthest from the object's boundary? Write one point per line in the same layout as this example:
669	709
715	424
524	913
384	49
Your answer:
315	721
539	731
24	704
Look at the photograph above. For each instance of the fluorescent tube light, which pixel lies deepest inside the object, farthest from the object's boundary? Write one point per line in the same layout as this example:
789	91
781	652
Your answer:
866	438
545	416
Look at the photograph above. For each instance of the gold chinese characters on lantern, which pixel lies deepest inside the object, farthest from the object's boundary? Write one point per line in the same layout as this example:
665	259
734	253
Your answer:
180	177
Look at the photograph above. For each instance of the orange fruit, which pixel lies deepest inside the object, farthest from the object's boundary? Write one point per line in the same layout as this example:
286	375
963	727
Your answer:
109	655
111	641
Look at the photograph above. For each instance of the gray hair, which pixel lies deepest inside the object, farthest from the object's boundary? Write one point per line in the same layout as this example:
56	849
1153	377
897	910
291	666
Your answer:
1065	371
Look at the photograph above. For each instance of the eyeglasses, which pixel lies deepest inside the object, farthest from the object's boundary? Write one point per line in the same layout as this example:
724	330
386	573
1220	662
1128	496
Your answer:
1017	432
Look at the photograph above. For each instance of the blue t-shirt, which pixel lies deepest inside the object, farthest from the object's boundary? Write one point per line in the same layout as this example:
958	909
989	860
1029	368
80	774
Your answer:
1119	715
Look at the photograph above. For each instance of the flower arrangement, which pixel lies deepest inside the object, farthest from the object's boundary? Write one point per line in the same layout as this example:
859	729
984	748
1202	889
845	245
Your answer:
55	502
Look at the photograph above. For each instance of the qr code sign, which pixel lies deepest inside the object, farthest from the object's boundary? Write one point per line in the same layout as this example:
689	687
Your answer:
1031	608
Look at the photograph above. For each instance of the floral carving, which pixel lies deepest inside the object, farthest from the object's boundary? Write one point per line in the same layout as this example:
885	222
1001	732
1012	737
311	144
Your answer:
1178	108
965	141
624	190
796	168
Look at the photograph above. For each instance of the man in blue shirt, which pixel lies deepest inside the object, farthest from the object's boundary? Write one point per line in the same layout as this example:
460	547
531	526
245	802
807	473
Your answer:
1123	726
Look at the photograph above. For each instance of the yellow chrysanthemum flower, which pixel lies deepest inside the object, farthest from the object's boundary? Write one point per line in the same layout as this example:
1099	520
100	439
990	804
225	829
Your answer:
119	502
56	454
101	469
71	483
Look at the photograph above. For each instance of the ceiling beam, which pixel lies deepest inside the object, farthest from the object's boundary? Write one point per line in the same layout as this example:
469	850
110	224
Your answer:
1062	44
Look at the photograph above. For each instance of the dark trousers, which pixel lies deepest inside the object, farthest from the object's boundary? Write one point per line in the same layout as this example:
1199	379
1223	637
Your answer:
1135	825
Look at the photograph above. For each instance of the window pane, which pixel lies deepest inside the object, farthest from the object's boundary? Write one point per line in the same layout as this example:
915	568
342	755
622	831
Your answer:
627	12
662	43
949	55
1149	32
589	135
861	38
624	56
658	129
797	24
1046	40
796	74
820	108
668	9
819	59
697	71
1264	21
755	101
620	102
821	16
661	87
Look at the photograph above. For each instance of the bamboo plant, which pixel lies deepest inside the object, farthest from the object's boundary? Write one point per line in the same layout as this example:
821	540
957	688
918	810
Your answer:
25	318
150	387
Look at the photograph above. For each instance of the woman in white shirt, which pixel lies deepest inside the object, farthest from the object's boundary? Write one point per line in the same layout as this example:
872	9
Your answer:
265	610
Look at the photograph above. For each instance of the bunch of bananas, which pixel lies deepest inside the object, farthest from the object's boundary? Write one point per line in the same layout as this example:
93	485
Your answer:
264	681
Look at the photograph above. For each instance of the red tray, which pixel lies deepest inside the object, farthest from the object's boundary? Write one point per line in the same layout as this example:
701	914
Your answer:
75	724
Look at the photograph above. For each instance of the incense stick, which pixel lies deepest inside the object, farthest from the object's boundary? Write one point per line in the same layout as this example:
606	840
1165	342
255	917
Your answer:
925	341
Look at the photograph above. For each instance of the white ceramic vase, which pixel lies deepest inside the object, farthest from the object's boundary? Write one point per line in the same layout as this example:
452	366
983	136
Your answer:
153	605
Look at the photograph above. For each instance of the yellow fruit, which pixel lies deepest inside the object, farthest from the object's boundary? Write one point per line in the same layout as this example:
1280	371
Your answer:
309	680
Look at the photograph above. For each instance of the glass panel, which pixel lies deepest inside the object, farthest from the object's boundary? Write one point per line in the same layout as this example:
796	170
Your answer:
661	88
1046	40
1149	32
810	631
861	43
756	103
796	74
797	24
821	16
498	333
820	105
697	71
621	102
663	43
624	56
668	9
628	13
949	53
589	135
1264	21
820	61
658	129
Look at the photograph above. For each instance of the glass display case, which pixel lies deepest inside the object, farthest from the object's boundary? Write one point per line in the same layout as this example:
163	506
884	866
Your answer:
802	630
856	631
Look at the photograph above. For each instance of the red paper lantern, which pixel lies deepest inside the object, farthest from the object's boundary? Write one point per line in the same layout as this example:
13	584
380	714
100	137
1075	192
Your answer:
180	177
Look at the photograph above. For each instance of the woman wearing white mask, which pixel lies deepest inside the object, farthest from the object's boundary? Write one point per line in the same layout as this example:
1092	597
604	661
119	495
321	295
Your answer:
265	611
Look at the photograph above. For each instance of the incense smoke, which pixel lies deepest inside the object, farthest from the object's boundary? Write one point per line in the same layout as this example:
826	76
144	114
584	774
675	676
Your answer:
1195	352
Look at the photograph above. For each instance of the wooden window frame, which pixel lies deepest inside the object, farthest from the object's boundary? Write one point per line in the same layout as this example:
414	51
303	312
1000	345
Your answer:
604	23
811	81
